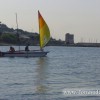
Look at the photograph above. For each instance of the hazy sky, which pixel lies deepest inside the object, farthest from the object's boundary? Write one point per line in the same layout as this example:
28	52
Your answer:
78	17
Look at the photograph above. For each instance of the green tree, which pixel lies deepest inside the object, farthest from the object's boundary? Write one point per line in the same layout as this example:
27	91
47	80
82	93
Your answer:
9	38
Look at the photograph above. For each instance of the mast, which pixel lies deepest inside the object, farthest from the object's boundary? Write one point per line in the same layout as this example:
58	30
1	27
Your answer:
17	32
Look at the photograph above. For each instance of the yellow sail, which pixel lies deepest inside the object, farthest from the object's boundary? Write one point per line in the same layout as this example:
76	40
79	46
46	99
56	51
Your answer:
44	31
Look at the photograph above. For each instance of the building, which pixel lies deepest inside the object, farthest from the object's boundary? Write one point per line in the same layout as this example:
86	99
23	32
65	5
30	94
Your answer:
69	38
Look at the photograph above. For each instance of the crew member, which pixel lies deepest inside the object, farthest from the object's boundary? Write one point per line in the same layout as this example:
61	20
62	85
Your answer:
27	48
12	49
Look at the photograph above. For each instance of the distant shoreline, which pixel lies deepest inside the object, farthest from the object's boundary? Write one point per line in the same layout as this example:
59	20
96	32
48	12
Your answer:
70	45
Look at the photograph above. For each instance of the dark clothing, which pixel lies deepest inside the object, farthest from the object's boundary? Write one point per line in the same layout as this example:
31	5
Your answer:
12	49
26	48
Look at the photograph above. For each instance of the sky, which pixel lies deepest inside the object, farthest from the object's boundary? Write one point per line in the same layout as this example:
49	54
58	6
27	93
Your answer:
78	17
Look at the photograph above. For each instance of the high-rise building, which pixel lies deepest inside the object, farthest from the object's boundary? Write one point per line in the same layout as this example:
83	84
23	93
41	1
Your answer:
69	38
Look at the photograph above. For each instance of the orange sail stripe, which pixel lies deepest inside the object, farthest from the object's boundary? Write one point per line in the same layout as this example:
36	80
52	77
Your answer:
41	20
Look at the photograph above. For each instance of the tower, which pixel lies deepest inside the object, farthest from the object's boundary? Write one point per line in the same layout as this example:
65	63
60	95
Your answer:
69	38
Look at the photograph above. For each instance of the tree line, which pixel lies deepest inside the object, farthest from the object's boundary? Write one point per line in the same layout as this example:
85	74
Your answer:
10	38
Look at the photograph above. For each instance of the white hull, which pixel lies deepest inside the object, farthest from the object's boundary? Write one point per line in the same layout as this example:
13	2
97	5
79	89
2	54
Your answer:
24	54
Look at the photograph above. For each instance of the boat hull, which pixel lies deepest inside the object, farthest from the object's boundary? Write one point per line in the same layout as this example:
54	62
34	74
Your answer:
24	54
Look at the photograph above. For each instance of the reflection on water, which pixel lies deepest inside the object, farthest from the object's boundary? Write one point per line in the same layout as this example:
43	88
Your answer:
41	87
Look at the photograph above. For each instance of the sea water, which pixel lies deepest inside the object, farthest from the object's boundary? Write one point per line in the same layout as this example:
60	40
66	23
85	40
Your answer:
46	78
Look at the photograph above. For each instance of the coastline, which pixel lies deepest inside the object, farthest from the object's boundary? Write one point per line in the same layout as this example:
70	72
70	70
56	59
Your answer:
66	45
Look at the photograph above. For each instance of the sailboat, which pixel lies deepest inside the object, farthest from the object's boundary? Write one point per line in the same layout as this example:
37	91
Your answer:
44	39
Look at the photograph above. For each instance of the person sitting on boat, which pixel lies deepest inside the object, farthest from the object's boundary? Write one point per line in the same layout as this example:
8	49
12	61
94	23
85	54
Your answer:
12	49
27	48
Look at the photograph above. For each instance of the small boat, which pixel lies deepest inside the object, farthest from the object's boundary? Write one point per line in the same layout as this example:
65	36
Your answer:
22	53
44	39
